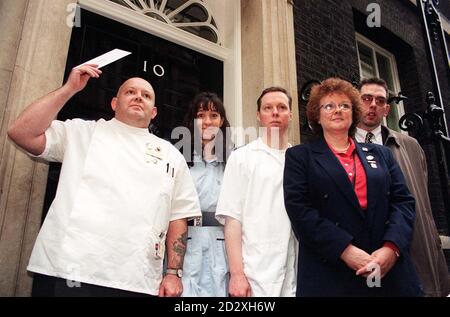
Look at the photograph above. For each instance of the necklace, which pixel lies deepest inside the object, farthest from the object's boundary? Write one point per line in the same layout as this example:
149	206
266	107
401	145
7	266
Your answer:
344	150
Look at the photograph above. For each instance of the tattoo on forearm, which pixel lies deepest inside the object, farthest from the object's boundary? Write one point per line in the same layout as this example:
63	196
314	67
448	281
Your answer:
179	247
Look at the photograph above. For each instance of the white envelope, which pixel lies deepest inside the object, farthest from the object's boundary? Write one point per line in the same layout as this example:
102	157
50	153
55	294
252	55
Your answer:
107	58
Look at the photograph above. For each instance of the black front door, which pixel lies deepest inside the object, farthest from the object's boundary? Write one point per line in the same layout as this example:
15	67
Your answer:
175	72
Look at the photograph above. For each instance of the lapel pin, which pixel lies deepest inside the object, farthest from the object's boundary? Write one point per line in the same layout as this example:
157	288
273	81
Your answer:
364	149
373	165
370	158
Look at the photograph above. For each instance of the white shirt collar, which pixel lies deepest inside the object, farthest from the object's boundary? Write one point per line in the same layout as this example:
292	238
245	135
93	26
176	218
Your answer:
360	135
260	145
128	128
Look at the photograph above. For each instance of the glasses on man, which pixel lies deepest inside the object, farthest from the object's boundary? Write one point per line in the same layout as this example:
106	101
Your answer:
368	99
331	107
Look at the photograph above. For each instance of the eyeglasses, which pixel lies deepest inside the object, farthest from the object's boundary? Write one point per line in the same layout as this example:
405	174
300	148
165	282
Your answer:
331	107
379	101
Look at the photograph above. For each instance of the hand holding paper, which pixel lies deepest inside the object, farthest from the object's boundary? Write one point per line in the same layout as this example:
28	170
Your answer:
79	77
80	74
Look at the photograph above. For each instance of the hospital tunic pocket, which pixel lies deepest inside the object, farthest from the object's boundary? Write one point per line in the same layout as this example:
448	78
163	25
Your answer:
265	267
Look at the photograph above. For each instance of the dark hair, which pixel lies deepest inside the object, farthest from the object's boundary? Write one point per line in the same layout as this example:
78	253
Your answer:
274	89
374	81
327	87
208	101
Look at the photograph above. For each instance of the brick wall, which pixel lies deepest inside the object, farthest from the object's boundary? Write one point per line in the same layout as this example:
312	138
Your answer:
325	45
402	34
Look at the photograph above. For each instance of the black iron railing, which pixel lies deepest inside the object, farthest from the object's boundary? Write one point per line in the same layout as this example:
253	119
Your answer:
431	123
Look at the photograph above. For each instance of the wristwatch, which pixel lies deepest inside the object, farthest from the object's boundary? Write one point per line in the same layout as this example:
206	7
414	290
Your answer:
177	272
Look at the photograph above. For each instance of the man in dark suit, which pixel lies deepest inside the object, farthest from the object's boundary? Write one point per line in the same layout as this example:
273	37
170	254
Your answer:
426	252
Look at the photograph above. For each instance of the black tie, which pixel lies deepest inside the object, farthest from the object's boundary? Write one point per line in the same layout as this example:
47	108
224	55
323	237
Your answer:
369	137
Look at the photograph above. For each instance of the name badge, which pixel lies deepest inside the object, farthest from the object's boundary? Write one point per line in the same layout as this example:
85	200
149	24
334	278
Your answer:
154	153
159	247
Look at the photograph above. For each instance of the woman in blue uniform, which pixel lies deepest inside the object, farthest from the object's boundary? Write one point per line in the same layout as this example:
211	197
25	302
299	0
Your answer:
205	264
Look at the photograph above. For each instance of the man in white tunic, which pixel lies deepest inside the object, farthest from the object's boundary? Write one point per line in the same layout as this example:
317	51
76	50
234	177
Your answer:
123	195
260	243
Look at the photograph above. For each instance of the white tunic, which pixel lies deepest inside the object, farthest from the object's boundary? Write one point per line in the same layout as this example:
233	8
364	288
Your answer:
118	189
252	192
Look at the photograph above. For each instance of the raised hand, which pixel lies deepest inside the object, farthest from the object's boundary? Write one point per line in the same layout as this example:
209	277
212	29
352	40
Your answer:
79	76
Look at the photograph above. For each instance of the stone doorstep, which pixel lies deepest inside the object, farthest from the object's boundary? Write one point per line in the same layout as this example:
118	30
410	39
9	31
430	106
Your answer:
445	240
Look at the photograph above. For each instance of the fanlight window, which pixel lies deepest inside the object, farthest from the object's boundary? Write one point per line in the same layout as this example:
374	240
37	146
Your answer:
190	15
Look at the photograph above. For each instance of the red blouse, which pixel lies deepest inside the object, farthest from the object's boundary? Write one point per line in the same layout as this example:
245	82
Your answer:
357	175
355	171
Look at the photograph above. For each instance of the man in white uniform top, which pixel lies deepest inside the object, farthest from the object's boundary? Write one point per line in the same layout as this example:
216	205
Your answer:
260	243
123	195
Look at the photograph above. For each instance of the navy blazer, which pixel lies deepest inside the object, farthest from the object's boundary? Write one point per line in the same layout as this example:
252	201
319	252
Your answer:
326	217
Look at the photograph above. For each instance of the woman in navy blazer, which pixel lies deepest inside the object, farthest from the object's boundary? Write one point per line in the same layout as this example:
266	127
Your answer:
349	206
